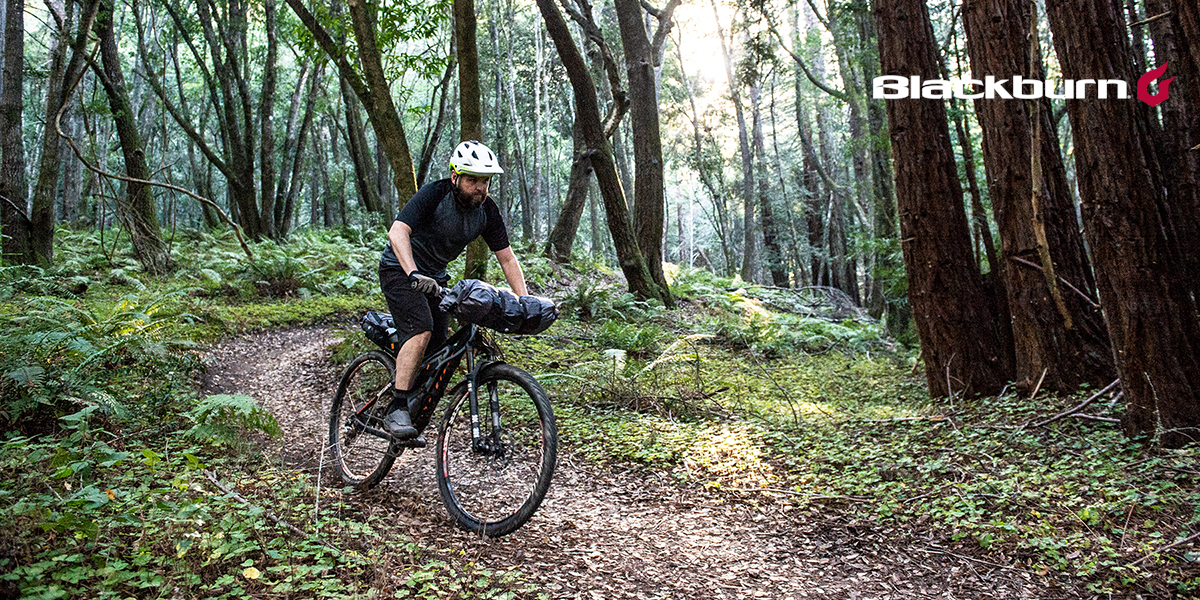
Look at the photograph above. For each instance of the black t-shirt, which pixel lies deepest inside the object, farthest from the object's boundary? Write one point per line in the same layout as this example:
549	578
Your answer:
441	228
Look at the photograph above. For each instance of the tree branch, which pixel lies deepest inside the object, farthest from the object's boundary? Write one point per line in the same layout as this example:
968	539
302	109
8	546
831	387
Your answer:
1065	282
58	128
804	67
1083	405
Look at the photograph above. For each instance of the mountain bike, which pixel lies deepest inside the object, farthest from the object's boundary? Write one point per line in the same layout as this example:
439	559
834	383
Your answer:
497	442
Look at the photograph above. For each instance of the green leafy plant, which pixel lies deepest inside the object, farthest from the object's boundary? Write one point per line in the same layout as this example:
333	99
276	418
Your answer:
224	419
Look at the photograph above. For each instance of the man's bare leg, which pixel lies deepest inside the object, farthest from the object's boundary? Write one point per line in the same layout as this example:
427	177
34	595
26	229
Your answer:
409	357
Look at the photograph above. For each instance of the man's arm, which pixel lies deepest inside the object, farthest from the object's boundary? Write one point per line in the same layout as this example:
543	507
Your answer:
399	238
512	271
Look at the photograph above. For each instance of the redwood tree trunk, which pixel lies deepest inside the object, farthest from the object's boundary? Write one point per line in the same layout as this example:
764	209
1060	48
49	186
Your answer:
955	317
1149	311
1068	353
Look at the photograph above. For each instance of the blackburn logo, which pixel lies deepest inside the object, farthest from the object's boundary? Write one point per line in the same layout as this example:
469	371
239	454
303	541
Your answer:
1143	86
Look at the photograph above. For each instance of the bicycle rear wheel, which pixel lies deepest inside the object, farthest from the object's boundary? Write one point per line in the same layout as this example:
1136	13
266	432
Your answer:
495	488
361	449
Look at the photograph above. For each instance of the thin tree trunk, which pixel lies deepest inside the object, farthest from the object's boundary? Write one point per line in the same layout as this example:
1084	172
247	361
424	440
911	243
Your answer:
295	182
140	210
750	258
772	255
435	133
562	237
266	117
470	112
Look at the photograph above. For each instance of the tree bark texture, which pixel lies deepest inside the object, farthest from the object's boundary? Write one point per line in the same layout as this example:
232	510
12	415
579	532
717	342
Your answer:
1151	316
649	202
14	192
1068	354
587	110
955	317
1180	155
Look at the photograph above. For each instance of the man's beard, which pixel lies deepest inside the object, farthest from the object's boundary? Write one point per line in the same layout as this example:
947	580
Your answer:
466	200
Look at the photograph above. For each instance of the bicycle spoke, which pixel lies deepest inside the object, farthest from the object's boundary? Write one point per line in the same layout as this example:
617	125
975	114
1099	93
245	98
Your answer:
362	450
494	486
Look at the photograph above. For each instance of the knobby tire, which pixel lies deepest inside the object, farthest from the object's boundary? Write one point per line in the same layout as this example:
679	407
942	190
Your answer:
360	458
494	492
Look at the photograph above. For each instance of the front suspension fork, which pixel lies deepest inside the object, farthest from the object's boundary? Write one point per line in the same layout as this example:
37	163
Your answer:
489	444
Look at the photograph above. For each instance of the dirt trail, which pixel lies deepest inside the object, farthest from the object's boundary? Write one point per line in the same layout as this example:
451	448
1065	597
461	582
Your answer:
607	534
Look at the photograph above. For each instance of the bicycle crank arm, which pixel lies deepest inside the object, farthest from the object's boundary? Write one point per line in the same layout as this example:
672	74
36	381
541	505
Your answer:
375	431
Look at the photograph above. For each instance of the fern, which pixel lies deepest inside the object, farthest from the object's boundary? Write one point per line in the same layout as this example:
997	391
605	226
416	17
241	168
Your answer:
224	419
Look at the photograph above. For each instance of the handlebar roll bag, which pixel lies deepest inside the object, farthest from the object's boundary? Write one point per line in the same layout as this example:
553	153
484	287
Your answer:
477	302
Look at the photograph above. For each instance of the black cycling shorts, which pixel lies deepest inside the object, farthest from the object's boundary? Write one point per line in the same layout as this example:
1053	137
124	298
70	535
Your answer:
414	312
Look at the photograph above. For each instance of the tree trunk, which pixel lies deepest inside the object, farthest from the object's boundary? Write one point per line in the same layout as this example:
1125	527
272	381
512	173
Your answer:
772	254
140	211
1061	351
14	192
955	317
588	113
1177	43
266	119
648	193
562	237
295	182
435	132
470	112
885	304
750	258
41	231
1151	317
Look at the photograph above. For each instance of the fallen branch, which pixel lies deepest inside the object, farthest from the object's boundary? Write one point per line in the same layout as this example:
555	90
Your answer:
1085	297
270	515
1095	418
1073	410
1190	538
1038	387
984	562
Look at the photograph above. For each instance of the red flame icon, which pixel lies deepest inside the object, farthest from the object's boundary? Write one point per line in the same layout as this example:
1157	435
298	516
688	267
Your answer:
1143	86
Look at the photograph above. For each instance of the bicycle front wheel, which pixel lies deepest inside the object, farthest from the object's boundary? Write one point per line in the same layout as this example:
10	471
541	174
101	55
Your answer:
493	483
362	451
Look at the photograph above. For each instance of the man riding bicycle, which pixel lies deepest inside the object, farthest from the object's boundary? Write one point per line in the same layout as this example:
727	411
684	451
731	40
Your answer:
432	229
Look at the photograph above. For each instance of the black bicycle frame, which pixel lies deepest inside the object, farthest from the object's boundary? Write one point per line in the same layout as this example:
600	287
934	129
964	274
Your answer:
433	376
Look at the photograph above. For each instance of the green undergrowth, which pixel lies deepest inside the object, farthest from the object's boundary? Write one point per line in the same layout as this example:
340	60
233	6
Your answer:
97	514
757	394
119	480
726	394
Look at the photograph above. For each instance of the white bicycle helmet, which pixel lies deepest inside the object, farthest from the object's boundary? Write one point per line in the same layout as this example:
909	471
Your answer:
473	158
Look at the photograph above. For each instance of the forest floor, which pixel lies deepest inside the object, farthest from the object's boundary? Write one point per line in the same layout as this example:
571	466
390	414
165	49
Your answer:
604	532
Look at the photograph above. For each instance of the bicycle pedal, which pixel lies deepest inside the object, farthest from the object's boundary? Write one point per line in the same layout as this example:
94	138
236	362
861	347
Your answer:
417	442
